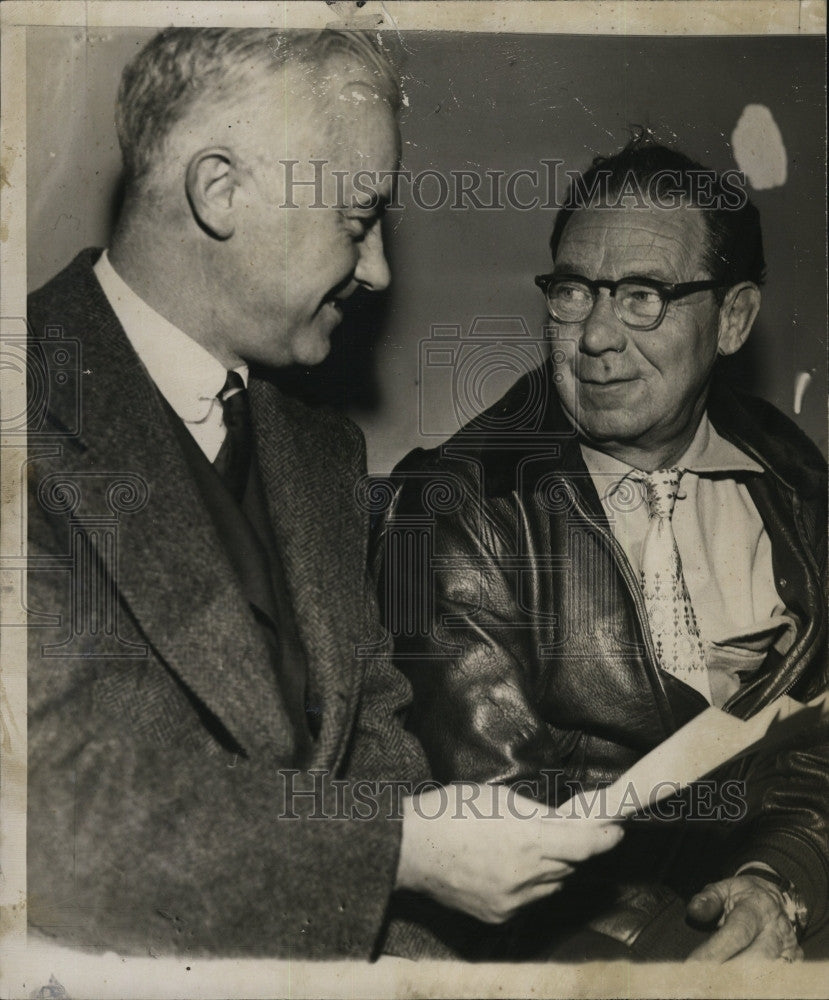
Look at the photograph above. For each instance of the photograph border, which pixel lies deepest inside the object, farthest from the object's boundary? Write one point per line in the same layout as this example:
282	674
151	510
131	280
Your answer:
60	972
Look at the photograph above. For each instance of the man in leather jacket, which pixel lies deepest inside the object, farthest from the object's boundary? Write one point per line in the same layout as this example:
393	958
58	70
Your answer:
514	574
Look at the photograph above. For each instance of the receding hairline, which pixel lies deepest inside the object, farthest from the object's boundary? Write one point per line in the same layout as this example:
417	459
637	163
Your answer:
313	116
182	75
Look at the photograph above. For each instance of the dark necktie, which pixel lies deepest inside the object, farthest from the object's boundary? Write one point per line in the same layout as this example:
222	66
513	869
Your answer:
233	461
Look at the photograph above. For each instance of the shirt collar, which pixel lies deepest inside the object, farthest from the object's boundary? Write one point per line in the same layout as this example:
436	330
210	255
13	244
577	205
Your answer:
707	454
187	375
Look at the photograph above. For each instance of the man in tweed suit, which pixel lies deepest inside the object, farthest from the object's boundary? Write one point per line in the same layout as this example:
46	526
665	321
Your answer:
205	745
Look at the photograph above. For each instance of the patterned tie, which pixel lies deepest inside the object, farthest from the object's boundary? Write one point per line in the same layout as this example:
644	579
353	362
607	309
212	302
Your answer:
233	461
670	614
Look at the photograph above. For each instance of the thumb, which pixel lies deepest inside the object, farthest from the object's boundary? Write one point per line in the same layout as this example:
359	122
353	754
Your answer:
708	904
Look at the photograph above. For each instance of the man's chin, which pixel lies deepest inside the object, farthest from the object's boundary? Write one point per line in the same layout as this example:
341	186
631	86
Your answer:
313	346
607	427
601	426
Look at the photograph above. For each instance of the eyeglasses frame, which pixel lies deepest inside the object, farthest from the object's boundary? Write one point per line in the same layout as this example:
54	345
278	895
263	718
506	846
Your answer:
668	292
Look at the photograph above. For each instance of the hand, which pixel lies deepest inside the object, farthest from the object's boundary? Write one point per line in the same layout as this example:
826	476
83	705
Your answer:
752	921
489	862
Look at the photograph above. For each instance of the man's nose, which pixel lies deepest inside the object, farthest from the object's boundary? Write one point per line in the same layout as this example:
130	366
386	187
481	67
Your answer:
602	330
372	268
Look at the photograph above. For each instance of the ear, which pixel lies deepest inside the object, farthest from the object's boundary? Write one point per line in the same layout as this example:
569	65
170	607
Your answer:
211	181
737	315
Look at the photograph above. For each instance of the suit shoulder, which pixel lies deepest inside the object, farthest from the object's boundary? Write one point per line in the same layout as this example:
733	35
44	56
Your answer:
321	434
326	422
68	283
71	301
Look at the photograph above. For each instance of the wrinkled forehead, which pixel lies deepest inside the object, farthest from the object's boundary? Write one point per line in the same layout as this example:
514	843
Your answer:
613	241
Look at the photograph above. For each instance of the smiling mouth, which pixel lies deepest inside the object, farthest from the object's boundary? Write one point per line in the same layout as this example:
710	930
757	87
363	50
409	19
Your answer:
333	308
338	295
606	381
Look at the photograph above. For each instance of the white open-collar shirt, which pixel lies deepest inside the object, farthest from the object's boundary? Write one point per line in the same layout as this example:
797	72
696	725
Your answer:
723	545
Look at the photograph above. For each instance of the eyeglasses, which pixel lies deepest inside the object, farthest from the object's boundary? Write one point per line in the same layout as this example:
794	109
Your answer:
639	303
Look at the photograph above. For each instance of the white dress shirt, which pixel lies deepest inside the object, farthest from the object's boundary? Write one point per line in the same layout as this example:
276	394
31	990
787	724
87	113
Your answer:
723	545
187	375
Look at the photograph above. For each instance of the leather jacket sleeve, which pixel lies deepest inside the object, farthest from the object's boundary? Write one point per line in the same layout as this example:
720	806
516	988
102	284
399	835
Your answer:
787	793
787	797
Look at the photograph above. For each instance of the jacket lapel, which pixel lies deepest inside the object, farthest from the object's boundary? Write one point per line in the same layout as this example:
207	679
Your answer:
172	571
550	472
310	498
793	482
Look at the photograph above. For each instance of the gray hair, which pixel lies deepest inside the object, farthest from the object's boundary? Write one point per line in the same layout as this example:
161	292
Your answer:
181	68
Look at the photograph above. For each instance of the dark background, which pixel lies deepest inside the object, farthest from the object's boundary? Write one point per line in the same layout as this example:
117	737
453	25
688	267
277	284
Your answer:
487	102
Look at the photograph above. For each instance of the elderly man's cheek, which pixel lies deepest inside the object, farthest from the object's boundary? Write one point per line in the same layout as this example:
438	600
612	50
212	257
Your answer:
566	385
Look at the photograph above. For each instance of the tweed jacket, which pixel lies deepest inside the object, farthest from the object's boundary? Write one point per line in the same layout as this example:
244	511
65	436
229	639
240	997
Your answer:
161	817
522	628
